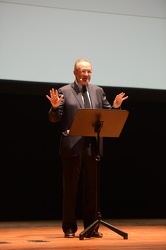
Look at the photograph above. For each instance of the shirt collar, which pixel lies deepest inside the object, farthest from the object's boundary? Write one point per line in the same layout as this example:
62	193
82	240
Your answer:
79	85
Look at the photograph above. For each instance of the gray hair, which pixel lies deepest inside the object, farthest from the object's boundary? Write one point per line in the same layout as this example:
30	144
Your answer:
80	60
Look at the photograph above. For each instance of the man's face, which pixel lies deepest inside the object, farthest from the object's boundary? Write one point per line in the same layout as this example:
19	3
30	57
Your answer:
83	73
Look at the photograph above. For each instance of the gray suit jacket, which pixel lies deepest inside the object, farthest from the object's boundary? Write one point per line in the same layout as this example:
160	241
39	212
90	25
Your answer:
72	101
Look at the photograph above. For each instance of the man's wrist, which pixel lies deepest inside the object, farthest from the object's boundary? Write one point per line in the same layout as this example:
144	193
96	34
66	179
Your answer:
53	109
115	104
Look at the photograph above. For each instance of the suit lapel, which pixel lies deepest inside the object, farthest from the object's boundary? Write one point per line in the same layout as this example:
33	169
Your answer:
92	96
77	93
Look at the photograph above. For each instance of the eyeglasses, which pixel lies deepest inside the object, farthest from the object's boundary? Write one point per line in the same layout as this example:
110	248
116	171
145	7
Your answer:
84	71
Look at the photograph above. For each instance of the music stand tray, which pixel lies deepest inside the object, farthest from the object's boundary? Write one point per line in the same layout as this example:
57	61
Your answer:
99	123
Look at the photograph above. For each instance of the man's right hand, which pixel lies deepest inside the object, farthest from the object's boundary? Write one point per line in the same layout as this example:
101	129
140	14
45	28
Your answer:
54	98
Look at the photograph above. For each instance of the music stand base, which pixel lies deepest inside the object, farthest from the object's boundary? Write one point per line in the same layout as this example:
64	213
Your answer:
89	230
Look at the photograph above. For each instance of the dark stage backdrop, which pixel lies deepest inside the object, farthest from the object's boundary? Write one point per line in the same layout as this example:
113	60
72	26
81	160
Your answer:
132	171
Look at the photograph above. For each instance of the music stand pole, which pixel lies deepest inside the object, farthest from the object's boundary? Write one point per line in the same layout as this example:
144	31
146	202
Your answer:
97	118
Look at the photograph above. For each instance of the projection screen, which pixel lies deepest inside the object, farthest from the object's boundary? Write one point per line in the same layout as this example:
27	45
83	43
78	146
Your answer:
125	40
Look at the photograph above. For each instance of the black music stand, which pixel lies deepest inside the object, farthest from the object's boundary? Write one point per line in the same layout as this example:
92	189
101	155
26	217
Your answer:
99	123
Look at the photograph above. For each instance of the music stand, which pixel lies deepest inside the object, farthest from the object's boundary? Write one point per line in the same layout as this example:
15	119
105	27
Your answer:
99	123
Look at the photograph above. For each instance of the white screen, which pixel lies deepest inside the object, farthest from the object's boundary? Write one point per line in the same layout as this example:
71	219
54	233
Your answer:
125	40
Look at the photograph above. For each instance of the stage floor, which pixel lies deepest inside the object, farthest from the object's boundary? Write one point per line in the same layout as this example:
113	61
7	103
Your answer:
142	234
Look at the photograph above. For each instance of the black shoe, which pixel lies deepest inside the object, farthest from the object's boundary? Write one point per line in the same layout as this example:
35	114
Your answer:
94	235
69	234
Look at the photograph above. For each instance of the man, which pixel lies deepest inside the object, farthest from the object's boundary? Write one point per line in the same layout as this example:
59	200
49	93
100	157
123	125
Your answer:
79	153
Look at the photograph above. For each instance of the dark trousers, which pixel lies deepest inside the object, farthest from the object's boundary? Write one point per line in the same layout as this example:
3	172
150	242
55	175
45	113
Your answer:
72	167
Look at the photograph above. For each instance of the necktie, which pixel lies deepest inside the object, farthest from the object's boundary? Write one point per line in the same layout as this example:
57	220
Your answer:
85	96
